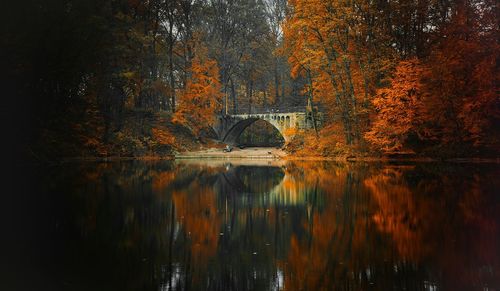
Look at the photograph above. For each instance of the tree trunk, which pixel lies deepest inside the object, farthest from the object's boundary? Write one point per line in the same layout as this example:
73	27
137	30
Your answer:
171	76
233	95
249	96
276	81
283	99
264	102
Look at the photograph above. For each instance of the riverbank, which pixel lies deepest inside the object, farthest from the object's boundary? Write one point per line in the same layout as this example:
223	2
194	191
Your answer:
281	154
236	153
262	153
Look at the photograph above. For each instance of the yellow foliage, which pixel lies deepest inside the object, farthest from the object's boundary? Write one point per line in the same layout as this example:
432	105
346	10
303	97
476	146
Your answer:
329	142
290	131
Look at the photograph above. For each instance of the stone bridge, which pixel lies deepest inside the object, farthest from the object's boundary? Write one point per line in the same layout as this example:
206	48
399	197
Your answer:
230	127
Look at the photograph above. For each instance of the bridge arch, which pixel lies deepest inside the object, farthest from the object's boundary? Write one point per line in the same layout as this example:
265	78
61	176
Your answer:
230	126
233	133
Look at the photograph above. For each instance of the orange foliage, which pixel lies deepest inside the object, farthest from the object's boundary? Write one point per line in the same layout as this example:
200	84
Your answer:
290	132
327	46
202	97
162	180
198	215
330	142
399	215
449	97
461	100
163	136
305	33
338	242
397	108
421	230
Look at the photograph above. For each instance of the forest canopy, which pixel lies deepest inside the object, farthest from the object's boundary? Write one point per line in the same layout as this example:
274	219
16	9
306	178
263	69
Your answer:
111	77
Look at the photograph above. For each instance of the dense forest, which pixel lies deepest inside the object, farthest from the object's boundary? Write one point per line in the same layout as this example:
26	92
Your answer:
147	78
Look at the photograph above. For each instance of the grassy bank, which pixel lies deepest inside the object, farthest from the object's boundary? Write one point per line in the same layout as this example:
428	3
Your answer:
139	135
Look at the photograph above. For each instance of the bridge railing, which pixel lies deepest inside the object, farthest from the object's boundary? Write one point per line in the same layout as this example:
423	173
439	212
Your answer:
271	110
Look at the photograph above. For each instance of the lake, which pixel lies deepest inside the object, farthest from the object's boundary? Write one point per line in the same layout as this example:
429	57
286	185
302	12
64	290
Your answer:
253	225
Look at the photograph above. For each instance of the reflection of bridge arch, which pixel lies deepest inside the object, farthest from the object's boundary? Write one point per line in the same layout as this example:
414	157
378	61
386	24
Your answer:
278	187
232	181
250	179
289	192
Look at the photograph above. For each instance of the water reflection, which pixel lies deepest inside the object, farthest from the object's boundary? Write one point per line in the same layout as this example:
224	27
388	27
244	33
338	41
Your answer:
241	179
269	226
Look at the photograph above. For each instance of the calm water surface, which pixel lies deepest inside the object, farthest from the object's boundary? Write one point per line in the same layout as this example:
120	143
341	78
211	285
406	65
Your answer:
220	225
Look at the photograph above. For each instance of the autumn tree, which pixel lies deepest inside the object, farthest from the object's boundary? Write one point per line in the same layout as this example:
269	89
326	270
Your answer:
202	98
276	13
398	108
461	86
440	60
122	58
328	43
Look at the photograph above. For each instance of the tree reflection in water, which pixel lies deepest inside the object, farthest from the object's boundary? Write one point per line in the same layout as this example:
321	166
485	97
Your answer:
287	225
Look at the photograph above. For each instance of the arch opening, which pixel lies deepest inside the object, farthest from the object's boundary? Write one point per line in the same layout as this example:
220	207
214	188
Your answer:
254	132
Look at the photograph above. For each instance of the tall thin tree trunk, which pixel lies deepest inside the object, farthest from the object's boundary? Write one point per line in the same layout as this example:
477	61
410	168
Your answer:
264	102
249	96
283	99
313	116
276	81
233	95
171	76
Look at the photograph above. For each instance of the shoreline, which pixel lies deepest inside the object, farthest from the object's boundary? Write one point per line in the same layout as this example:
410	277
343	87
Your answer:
267	154
343	159
268	158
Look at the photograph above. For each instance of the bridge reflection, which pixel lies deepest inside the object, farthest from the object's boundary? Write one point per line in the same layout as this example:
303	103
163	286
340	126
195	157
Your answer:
250	179
215	225
263	185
